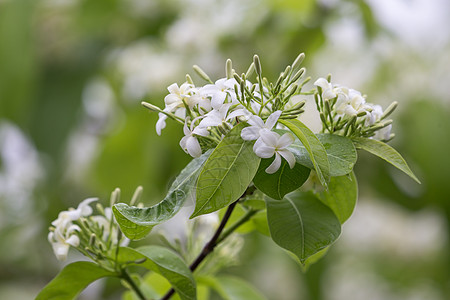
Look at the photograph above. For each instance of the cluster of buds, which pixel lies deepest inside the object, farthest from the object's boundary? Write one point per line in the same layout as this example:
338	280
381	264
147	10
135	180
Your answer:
209	112
344	111
96	236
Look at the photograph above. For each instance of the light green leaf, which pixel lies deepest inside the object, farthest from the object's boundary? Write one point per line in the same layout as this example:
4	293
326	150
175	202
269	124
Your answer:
74	278
232	288
385	152
315	149
166	263
136	222
341	196
340	150
283	181
302	224
226	174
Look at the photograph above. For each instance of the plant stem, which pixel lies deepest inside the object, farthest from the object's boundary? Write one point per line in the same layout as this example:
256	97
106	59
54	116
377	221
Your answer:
124	274
238	223
213	242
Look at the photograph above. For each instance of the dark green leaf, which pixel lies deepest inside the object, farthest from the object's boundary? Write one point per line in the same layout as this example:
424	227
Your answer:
283	181
385	152
166	263
341	196
136	222
72	280
316	151
302	224
226	174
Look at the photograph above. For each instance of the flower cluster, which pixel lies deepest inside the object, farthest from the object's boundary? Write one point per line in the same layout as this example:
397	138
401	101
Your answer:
209	112
345	111
92	235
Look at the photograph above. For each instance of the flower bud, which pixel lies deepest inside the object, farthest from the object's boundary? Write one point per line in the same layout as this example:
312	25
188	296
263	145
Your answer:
201	73
389	110
257	64
229	69
297	62
137	195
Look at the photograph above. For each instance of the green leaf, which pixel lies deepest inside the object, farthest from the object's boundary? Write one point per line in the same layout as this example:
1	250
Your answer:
340	150
226	174
385	152
316	150
166	263
302	224
283	181
341	196
136	222
232	288
74	278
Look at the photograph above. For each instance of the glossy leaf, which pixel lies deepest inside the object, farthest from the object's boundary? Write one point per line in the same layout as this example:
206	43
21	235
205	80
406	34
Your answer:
73	279
302	224
314	147
166	263
226	174
341	196
136	222
385	152
283	181
340	150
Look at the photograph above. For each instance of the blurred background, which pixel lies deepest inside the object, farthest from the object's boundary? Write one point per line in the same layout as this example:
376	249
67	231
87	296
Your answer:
73	74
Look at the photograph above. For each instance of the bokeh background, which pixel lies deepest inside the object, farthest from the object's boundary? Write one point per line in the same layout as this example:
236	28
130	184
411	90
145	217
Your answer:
73	73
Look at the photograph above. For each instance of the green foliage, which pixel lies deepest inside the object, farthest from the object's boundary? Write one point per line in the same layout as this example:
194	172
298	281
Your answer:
232	288
316	150
283	181
72	280
340	150
136	222
341	196
164	262
226	174
385	152
301	224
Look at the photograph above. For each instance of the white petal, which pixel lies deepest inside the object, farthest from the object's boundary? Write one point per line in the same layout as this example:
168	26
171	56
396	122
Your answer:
256	121
84	207
173	88
275	165
322	82
73	240
183	142
200	131
193	147
288	156
250	133
262	150
161	123
236	113
186	130
269	137
272	119
285	140
60	251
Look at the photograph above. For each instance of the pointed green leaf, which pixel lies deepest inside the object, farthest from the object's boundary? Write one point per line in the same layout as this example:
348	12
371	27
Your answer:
340	150
136	222
316	150
302	224
73	279
283	181
341	196
226	174
385	152
166	263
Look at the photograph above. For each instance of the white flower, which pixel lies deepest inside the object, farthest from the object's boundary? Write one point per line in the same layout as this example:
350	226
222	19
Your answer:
220	115
189	142
271	143
374	115
63	236
257	124
383	133
219	91
177	95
